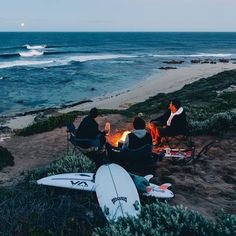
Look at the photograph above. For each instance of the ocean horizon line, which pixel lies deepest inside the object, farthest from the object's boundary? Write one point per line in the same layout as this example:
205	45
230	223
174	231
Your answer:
117	31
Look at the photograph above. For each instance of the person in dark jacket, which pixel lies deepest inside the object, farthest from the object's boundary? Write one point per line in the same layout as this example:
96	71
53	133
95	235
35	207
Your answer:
88	130
139	137
172	123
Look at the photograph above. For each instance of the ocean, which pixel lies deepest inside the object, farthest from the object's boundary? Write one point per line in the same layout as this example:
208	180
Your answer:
48	70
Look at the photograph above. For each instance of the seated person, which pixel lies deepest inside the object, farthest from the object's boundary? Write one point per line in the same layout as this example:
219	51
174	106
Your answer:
172	123
136	152
139	137
89	132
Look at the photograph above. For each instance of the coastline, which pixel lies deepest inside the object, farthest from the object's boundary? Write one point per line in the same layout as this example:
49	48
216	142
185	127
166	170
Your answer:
164	82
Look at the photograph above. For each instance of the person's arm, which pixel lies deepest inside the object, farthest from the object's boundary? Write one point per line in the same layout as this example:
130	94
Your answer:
126	143
162	119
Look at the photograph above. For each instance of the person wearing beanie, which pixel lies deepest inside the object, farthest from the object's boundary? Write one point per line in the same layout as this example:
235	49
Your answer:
139	137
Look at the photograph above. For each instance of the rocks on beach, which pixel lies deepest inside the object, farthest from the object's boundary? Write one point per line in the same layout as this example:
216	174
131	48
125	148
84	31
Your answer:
173	62
167	68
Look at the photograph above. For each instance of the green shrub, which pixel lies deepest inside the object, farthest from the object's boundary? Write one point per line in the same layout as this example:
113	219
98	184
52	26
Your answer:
30	209
70	163
162	219
217	124
49	124
6	159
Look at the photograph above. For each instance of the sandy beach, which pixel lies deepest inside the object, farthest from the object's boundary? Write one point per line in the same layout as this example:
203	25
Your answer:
166	81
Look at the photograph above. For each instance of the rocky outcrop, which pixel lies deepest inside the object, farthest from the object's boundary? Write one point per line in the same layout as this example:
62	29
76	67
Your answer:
173	62
167	68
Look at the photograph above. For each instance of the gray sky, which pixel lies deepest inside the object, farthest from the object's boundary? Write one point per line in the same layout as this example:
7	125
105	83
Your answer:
118	15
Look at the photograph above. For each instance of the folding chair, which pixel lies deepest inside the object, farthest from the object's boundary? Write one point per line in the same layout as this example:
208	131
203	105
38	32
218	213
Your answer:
138	160
82	144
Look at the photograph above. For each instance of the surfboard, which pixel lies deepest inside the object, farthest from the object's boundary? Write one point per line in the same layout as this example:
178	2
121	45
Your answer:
79	181
116	192
86	182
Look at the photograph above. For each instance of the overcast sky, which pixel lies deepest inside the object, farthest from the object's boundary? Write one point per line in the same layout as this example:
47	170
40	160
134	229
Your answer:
118	15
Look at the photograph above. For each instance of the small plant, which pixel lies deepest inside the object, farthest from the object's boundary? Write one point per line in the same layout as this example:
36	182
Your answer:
6	158
160	219
70	163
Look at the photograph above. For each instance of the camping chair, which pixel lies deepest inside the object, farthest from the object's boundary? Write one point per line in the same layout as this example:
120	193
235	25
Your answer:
82	144
138	160
178	140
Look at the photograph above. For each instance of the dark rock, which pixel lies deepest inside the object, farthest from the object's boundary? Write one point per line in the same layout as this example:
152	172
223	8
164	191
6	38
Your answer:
195	61
40	117
5	130
205	62
76	103
213	62
167	68
6	158
92	89
224	60
173	62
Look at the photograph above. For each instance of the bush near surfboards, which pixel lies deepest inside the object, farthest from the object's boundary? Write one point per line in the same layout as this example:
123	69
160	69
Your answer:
70	163
6	158
45	211
160	219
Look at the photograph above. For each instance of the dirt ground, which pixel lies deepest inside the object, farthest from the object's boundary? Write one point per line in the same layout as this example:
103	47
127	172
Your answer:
207	186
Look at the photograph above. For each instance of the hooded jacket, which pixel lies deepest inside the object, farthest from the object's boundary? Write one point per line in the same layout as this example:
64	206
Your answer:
137	138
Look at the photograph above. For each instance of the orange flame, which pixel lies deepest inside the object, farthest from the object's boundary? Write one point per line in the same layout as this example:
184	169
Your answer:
118	137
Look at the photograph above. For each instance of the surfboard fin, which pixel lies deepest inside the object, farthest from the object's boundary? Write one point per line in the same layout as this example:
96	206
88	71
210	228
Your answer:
164	186
148	177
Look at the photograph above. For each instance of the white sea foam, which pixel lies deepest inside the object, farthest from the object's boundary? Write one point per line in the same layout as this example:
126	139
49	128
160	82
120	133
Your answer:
84	58
35	46
195	55
23	63
31	53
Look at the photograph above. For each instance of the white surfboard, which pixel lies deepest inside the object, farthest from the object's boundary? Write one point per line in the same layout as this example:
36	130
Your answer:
79	181
85	181
116	192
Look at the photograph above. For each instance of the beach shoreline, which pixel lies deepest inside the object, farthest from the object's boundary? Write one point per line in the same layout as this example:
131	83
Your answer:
165	82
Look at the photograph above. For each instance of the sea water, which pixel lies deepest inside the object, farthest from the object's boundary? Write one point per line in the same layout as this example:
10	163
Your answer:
45	70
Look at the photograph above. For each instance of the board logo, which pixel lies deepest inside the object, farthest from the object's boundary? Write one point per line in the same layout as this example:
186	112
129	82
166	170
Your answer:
118	199
79	183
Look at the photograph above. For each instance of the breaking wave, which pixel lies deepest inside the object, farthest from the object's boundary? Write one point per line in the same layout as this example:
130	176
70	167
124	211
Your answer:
85	58
31	53
35	46
23	63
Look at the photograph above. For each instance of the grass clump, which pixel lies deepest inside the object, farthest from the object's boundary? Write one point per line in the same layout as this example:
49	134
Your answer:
160	219
30	209
6	158
70	163
48	124
218	124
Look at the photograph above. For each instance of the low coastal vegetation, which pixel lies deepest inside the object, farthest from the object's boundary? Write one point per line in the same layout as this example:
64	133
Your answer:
6	158
210	104
30	209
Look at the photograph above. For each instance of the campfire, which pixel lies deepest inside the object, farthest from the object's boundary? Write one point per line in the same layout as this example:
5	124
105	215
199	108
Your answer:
118	139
